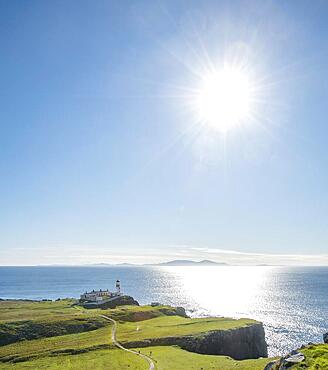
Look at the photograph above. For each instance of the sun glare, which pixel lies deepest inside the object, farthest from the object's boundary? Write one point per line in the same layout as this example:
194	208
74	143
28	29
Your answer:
223	100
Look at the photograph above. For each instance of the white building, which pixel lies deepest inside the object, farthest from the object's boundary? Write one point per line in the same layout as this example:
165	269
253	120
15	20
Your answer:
101	295
96	295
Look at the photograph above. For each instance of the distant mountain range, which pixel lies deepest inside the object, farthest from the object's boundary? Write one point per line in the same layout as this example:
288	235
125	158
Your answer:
169	263
190	263
109	264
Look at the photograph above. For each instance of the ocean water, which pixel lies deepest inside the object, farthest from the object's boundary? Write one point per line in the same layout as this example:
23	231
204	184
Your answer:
292	303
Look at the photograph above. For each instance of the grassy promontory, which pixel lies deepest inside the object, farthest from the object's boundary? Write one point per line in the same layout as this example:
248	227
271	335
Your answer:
61	335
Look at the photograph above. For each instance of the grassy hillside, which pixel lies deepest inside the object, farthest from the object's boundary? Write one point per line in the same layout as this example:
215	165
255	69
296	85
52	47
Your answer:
33	320
166	358
96	360
92	348
72	343
172	357
26	310
166	326
138	313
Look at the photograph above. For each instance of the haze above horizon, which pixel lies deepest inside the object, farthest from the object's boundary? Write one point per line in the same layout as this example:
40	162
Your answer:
144	132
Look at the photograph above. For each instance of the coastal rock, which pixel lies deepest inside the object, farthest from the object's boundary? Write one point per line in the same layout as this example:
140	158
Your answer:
295	358
286	362
271	366
174	311
325	338
240	343
181	312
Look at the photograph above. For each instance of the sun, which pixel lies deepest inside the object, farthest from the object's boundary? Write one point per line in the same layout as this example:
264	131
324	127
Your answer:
223	100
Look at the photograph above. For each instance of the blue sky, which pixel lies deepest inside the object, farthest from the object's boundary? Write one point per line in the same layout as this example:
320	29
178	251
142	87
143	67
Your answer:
101	158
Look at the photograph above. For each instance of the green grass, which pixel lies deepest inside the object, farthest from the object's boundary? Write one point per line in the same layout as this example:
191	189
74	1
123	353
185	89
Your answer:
168	326
97	360
166	358
137	313
94	349
20	320
169	358
16	331
24	310
316	358
46	346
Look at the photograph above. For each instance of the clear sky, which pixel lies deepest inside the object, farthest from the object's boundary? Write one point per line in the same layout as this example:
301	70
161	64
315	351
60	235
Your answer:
102	157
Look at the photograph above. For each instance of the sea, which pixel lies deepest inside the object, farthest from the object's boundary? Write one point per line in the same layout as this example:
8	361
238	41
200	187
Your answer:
292	302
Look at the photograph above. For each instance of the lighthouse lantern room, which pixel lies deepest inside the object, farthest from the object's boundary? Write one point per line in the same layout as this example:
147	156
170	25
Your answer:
118	287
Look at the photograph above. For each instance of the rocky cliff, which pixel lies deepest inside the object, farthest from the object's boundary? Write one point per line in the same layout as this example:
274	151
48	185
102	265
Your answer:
240	343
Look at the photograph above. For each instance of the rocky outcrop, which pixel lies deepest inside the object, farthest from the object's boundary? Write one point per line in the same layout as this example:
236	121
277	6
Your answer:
120	301
286	362
325	338
240	343
174	311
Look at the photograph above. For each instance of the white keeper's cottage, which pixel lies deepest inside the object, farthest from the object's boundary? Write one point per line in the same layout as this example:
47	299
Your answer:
101	295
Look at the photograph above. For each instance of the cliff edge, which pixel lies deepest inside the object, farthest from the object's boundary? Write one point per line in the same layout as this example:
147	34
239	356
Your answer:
239	343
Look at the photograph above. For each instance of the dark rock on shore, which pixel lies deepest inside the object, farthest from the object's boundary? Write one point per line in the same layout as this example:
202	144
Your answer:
325	338
121	301
240	343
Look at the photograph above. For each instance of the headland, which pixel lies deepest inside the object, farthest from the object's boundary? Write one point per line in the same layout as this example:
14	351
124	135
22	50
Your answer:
70	333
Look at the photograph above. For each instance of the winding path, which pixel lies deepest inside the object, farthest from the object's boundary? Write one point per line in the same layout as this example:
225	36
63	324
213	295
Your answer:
117	344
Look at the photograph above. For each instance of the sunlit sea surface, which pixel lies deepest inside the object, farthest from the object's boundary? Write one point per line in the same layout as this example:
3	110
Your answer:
291	302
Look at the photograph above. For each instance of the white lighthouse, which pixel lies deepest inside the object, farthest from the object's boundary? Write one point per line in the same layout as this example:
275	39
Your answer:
118	287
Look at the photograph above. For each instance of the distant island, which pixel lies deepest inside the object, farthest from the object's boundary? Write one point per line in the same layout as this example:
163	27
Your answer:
190	263
169	263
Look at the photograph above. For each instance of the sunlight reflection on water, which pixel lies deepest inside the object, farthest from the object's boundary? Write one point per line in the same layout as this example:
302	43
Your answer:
291	302
224	290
